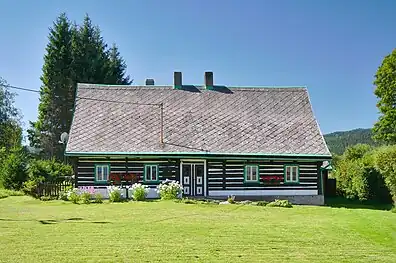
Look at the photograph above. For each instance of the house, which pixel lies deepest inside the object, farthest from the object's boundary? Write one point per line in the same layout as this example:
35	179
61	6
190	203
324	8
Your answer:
251	142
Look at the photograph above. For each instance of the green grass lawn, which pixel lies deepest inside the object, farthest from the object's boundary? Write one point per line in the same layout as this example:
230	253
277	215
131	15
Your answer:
57	231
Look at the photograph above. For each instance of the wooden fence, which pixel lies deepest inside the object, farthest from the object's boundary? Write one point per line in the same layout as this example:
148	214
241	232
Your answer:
53	188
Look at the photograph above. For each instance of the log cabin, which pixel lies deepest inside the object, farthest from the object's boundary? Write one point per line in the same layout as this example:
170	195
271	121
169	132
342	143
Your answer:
257	143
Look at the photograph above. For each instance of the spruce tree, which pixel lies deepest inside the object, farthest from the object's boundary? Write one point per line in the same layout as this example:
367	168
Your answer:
75	54
116	67
56	83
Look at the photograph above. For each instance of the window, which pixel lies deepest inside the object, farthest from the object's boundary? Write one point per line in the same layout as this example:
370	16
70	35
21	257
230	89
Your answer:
151	173
291	174
251	174
102	172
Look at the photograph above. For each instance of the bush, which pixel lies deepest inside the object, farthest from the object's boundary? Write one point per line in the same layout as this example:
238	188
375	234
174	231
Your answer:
85	198
48	170
6	193
358	178
262	203
231	199
114	193
74	196
64	194
3	194
169	190
357	151
13	170
98	198
280	203
30	188
139	192
393	210
385	162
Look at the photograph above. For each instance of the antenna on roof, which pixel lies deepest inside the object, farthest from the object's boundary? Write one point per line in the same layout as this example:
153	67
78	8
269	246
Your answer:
64	137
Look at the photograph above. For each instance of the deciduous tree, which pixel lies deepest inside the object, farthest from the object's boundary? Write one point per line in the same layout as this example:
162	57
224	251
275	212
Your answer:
385	82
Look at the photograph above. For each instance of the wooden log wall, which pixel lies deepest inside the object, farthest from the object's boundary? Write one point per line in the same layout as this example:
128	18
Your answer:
168	169
229	175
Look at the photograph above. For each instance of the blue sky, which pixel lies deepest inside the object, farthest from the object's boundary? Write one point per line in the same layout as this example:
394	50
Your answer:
332	47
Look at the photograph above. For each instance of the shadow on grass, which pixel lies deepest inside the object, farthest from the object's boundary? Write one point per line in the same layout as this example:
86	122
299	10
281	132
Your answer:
341	202
53	221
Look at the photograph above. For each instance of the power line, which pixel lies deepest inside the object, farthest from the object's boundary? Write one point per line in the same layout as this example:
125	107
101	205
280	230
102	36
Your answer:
86	98
20	88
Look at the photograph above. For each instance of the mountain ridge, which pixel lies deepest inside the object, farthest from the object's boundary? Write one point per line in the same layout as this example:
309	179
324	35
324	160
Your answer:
338	141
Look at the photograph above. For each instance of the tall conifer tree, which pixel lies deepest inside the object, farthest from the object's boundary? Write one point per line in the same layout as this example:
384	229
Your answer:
74	54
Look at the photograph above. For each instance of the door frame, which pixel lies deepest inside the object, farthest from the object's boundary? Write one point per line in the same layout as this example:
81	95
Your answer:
189	161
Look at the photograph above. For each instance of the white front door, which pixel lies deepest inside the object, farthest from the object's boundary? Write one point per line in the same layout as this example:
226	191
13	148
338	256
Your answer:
193	177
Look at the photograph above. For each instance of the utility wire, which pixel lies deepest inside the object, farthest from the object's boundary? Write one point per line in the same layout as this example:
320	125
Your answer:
86	98
20	88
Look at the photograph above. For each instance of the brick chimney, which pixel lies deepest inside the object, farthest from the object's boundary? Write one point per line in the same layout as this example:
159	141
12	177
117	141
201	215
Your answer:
209	80
177	80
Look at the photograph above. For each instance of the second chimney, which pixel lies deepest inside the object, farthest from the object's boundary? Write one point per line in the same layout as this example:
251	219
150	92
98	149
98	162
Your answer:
150	82
177	80
208	80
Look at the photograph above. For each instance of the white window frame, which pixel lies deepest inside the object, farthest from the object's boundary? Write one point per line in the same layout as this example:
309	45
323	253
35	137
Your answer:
148	170
104	177
249	173
294	177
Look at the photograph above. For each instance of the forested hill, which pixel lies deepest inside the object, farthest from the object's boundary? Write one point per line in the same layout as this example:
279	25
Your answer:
339	141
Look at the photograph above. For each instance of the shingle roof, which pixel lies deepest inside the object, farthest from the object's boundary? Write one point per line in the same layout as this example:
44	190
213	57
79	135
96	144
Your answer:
226	120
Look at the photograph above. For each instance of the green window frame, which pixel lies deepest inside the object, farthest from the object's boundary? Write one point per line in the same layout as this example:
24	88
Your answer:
291	174
102	173
151	173
251	174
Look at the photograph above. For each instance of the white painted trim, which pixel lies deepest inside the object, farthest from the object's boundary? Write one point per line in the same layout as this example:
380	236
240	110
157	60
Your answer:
186	161
261	192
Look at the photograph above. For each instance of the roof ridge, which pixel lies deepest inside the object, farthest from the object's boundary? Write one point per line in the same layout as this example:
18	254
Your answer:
247	88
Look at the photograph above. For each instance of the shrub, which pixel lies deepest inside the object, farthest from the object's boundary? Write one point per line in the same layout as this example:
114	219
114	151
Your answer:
393	210
14	192
30	188
139	192
280	203
48	170
74	196
6	193
114	193
3	194
63	195
85	198
358	178
231	199
13	170
385	162
262	203
169	190
98	198
357	151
